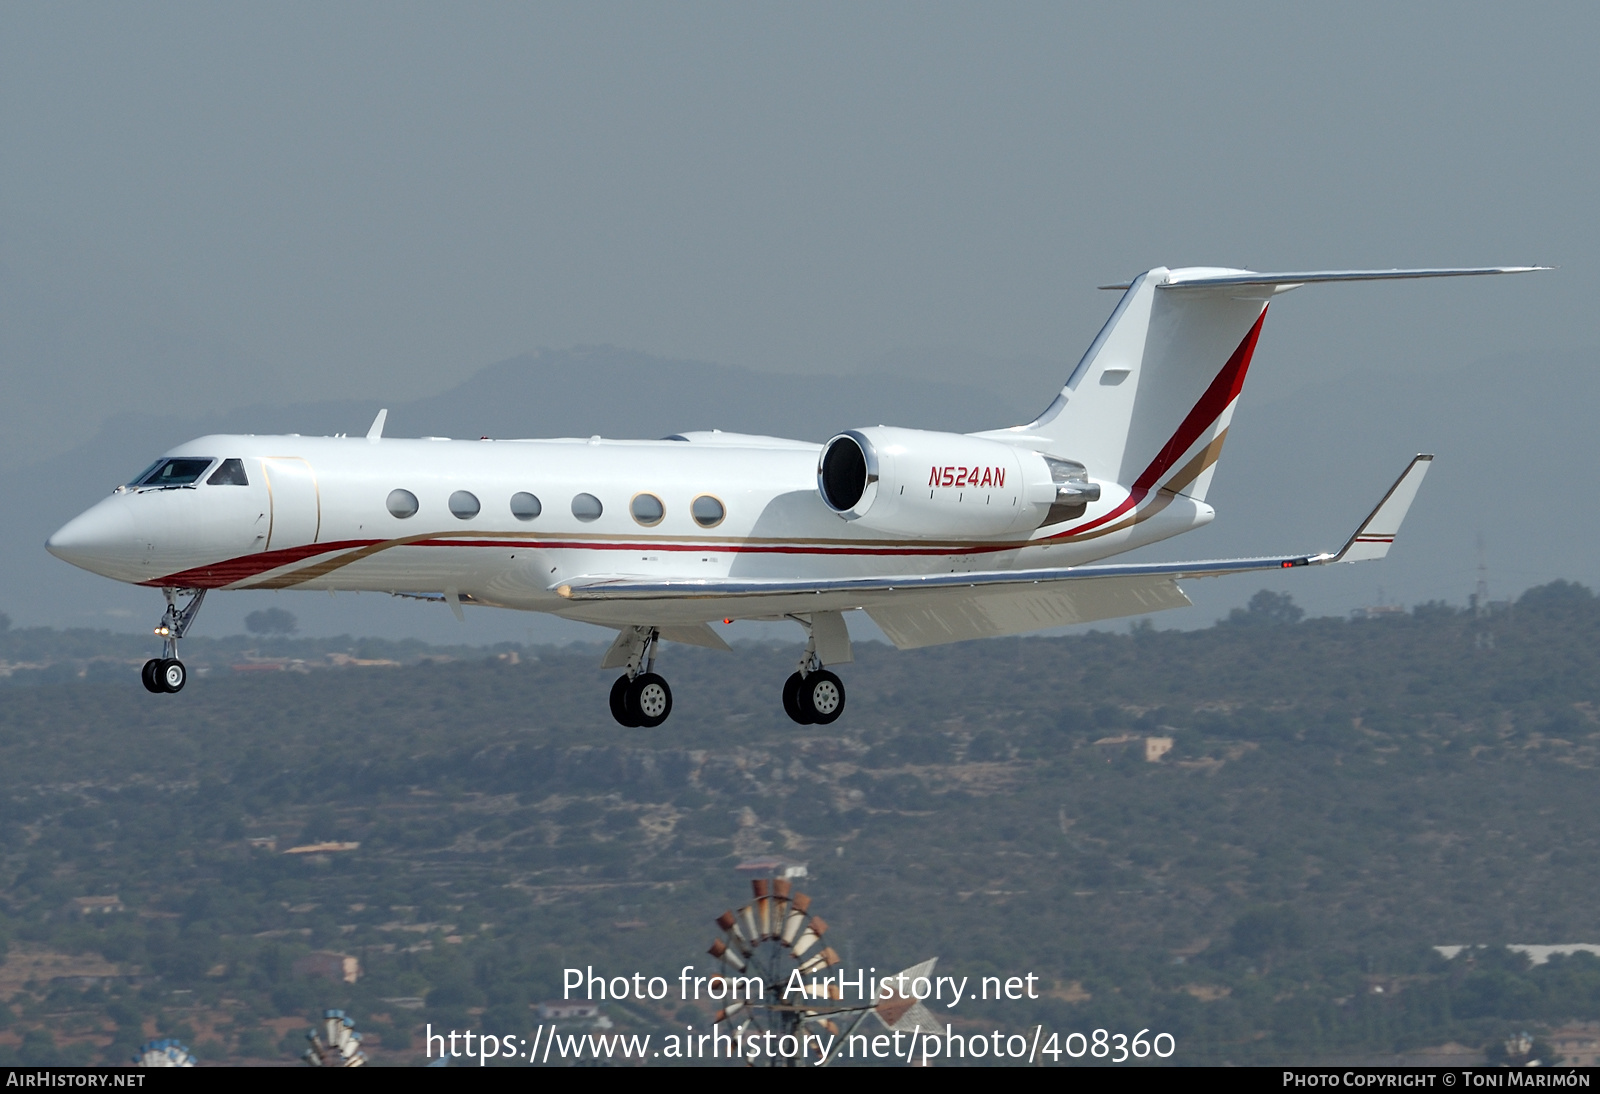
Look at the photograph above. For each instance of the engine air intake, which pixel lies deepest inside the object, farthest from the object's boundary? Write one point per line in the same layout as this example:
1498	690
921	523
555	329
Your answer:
845	471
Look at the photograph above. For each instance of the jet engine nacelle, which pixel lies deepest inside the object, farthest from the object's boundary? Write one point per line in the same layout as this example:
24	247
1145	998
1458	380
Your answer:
914	482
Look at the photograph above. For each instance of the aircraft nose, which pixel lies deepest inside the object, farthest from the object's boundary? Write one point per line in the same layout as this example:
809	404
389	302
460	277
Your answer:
101	539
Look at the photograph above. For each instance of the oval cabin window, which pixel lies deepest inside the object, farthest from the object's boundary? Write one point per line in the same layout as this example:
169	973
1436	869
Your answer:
587	507
464	505
524	506
402	503
707	511
647	509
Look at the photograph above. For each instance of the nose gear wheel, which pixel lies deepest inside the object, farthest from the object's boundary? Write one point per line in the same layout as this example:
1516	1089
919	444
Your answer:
166	674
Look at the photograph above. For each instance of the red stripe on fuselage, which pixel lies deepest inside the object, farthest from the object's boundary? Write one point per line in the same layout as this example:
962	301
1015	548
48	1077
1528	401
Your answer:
215	575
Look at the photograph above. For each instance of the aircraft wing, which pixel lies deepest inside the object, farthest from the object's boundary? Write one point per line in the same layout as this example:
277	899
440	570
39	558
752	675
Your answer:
930	609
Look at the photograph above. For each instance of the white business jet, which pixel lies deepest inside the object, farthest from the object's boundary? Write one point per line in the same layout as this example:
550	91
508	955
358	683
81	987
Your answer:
939	537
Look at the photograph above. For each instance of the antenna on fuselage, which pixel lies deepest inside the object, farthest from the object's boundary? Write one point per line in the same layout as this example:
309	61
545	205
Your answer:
376	432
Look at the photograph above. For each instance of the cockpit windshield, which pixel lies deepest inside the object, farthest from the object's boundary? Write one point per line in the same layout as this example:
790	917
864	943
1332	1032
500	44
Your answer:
182	471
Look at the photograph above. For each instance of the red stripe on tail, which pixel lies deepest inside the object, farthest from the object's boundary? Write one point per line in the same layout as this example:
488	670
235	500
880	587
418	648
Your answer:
1224	389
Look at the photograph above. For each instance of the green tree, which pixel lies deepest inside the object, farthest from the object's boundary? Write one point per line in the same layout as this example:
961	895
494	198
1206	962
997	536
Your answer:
1267	609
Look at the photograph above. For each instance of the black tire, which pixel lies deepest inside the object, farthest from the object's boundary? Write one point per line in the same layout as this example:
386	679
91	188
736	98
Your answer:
172	675
619	703
649	700
148	676
791	700
822	697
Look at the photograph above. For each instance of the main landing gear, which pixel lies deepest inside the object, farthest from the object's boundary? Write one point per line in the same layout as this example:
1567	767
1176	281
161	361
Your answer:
166	673
812	695
639	697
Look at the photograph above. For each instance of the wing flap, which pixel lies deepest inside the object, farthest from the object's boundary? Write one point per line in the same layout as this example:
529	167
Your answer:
932	617
689	634
694	634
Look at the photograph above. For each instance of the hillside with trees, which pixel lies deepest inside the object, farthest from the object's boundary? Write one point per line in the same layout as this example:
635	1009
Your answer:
1338	798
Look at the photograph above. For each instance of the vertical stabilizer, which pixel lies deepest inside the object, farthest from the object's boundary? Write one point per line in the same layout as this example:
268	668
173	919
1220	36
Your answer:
1149	404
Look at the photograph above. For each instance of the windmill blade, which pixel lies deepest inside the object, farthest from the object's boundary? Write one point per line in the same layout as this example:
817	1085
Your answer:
810	936
747	924
719	949
797	915
337	1044
817	962
168	1053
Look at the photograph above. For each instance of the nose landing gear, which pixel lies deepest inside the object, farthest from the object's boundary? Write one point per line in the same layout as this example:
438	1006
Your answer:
166	673
639	697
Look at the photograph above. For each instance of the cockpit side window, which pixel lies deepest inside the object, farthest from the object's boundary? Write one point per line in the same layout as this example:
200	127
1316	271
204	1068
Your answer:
229	473
182	471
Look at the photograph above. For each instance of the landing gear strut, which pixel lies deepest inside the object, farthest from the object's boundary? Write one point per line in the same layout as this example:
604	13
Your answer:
812	695
639	697
166	673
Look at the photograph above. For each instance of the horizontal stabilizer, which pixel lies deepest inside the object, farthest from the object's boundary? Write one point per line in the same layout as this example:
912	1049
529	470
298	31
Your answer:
1209	278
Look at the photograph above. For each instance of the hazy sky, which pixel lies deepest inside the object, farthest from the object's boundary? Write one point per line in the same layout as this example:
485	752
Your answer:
390	196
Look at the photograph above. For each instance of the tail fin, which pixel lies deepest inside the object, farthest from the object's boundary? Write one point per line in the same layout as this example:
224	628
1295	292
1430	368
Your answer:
1150	402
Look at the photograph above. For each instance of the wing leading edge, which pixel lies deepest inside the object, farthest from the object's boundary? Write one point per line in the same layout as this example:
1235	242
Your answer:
930	609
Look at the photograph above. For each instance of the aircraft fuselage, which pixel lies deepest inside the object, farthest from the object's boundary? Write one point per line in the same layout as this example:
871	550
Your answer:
315	513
